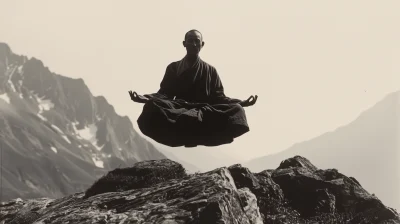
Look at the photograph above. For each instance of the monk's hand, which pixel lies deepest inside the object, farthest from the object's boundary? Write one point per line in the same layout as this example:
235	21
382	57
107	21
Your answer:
138	98
207	108
249	102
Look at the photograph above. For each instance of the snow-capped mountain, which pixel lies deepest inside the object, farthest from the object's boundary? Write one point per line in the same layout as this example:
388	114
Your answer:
56	137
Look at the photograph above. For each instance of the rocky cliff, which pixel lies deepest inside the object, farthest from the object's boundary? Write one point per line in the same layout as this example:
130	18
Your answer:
159	191
56	138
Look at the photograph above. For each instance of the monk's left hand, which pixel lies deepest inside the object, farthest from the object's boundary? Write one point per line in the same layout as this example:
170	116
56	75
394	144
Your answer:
249	102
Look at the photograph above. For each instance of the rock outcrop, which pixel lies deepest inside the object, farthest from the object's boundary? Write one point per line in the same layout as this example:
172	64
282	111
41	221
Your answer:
367	148
159	191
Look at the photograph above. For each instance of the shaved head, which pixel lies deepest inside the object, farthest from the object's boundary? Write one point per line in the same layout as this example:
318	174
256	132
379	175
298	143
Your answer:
193	31
193	42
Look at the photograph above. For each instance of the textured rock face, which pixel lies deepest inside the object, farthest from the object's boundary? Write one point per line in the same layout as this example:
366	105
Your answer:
312	191
161	192
204	198
140	175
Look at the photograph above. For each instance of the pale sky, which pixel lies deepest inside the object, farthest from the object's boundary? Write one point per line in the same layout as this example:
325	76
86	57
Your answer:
314	65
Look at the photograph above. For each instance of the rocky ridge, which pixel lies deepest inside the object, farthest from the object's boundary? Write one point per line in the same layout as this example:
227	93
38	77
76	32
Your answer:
160	191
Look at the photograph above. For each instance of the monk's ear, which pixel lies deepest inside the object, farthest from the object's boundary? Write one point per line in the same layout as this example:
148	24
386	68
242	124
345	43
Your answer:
184	43
202	44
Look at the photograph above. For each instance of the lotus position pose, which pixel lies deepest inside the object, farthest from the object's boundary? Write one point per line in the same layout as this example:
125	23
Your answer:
190	108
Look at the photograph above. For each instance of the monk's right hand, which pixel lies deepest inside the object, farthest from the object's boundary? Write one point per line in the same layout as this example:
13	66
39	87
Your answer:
138	98
249	102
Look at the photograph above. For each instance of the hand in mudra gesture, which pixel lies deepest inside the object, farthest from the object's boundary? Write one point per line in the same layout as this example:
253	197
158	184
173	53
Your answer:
249	102
138	98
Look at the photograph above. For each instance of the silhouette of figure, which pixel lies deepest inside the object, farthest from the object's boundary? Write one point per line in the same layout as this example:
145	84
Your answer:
190	108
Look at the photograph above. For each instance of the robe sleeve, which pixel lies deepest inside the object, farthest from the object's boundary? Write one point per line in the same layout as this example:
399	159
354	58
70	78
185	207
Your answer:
217	91
166	90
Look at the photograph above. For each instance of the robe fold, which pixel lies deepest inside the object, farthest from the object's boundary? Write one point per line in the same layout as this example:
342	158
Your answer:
191	109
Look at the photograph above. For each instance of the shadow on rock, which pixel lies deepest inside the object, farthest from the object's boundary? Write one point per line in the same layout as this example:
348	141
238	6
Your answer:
140	175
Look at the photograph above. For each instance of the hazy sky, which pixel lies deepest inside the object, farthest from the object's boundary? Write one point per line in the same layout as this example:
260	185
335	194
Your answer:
314	65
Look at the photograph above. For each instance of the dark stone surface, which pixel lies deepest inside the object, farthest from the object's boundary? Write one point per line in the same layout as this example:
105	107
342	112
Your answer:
161	192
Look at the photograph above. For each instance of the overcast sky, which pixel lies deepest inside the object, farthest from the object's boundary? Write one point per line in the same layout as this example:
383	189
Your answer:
314	65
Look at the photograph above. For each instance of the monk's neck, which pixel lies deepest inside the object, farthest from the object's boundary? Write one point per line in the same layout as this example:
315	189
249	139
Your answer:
191	59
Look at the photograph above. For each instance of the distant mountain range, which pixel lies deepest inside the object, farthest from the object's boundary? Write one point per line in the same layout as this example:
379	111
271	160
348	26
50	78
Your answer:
56	138
368	148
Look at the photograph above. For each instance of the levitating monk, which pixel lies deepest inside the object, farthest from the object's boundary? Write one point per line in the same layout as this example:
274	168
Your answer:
191	109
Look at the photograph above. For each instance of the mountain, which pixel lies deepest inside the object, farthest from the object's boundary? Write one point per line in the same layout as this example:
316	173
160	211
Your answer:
56	137
159	191
368	148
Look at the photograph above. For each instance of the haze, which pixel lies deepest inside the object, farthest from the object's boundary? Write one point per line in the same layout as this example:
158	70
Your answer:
314	65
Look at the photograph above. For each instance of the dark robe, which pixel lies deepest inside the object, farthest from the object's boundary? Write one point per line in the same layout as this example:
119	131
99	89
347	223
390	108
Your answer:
175	115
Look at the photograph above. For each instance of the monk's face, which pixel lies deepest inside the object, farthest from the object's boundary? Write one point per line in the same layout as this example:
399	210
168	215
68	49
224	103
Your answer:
193	43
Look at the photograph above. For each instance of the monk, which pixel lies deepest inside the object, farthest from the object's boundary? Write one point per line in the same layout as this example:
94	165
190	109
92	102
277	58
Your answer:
190	108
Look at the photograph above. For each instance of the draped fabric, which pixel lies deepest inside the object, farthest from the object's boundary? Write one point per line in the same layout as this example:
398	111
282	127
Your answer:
191	109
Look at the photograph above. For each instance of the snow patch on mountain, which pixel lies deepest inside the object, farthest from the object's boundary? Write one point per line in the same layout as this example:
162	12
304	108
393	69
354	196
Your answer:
41	117
20	69
44	104
97	161
9	80
106	156
61	133
54	149
5	97
66	138
57	129
88	133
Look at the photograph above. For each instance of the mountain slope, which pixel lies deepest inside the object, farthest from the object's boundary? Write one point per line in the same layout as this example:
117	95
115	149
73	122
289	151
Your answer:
55	136
368	148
